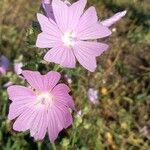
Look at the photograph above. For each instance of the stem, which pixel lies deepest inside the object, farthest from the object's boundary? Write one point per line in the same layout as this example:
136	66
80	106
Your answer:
39	144
73	138
54	146
56	67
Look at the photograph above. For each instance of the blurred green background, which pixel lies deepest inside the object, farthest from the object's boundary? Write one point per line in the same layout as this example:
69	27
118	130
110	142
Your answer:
121	120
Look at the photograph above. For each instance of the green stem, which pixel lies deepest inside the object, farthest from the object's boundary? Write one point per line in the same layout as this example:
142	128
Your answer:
39	144
56	67
73	138
54	146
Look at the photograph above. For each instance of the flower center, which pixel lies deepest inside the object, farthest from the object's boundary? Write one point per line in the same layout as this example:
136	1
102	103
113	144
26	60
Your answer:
68	39
44	99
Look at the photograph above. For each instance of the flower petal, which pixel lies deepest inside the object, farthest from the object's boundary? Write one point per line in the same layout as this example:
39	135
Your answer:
110	21
50	80
38	128
48	25
60	10
24	121
88	19
17	109
61	55
89	28
75	12
45	40
41	82
94	31
53	129
61	95
87	60
18	93
92	48
34	78
42	128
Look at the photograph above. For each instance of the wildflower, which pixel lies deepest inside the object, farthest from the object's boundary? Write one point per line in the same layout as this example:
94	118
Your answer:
93	95
70	35
18	68
4	64
110	21
68	79
44	107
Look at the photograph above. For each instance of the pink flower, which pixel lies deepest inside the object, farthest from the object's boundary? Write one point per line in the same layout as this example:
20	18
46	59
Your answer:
4	64
70	35
18	68
42	108
110	21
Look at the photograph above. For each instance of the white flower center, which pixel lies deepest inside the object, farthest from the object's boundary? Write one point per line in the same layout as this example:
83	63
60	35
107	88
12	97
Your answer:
68	39
44	99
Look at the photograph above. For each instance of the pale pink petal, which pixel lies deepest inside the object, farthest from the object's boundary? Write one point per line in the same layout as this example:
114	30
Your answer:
38	128
19	93
34	78
48	25
24	121
50	80
59	118
110	21
89	28
94	31
69	120
64	116
50	35
61	55
88	19
53	129
61	95
42	128
60	10
92	48
87	60
75	12
41	82
17	109
45	40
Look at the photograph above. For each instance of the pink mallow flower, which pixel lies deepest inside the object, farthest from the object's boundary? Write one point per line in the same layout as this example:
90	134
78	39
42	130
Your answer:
4	64
71	35
44	107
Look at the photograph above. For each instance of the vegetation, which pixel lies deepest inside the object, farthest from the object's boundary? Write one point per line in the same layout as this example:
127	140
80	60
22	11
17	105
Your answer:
121	119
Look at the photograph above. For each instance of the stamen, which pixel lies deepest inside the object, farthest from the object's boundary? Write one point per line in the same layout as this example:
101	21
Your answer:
68	39
44	99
